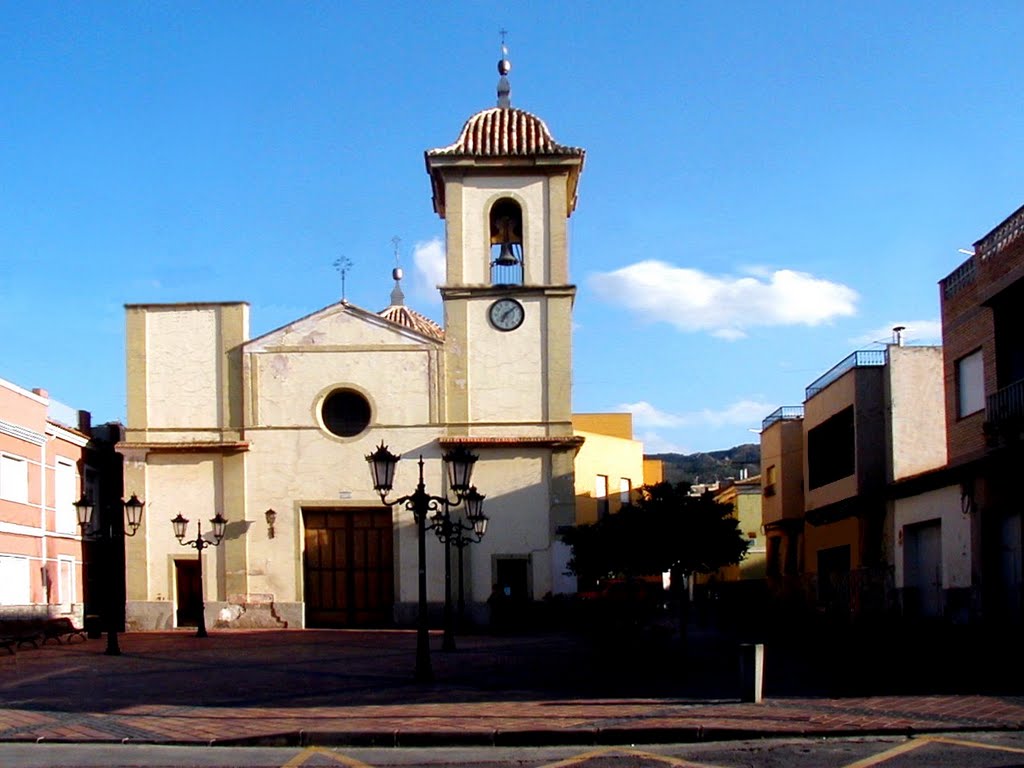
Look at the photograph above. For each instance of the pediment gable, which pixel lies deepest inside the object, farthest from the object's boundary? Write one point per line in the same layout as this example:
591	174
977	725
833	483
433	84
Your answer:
339	325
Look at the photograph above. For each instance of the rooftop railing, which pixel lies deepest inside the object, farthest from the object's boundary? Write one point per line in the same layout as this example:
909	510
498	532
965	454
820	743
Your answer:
785	413
959	278
864	358
1002	236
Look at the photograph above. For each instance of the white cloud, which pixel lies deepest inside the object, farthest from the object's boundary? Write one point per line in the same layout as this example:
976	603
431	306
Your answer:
724	305
655	443
429	259
742	413
915	332
646	415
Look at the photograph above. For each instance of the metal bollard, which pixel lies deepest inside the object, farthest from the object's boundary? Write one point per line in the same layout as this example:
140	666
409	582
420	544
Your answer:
751	672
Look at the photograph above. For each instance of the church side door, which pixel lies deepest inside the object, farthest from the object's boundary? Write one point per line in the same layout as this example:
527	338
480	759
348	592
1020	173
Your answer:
349	567
189	591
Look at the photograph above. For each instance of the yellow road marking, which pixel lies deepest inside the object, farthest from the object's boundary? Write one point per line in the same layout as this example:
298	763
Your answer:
610	751
888	754
976	744
309	752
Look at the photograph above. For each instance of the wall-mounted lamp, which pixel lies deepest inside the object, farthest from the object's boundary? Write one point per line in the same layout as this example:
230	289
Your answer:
271	516
968	503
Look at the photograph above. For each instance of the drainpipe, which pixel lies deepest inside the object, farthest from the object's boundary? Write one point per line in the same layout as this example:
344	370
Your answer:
43	549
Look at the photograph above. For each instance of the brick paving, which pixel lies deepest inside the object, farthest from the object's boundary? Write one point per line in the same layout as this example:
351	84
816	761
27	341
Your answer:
305	687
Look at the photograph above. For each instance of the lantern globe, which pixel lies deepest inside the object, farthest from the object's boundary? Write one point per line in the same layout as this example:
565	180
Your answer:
84	510
382	469
180	523
219	522
133	513
474	501
460	461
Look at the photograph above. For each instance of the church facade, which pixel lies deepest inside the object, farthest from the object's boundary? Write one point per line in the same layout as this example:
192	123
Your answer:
273	432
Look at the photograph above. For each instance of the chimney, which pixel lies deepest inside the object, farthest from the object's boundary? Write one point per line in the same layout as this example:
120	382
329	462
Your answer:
897	335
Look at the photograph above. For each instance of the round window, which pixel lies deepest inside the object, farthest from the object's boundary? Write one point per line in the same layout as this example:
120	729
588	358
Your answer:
345	412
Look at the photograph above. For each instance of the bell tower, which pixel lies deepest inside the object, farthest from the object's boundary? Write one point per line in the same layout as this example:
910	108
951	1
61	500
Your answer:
506	190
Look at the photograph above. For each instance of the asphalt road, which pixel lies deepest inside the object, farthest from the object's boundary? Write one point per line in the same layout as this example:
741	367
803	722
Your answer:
978	750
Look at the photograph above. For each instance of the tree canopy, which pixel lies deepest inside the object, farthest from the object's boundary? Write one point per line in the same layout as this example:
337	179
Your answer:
664	529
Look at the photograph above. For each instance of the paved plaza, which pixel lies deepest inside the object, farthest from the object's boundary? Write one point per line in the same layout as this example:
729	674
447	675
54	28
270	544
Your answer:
325	687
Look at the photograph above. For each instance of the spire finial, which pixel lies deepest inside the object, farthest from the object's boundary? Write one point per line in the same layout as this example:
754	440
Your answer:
343	265
504	67
397	297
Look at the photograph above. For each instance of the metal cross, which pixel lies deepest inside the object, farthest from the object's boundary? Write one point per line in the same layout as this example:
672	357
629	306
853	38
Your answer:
343	265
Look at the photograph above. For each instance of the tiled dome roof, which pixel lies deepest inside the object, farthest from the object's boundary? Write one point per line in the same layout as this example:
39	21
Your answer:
505	132
409	318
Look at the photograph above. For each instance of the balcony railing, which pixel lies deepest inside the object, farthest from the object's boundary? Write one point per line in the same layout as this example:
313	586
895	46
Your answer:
864	358
1006	405
785	413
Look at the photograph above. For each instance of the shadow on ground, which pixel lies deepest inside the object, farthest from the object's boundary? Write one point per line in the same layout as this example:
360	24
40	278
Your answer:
294	668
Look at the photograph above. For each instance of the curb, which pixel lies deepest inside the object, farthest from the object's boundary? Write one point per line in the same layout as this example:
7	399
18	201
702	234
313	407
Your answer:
553	738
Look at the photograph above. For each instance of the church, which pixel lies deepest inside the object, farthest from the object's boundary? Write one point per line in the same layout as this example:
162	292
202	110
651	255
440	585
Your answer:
273	433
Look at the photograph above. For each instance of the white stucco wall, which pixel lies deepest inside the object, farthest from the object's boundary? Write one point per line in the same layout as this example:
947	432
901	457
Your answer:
518	505
917	410
506	377
183	359
942	504
189	484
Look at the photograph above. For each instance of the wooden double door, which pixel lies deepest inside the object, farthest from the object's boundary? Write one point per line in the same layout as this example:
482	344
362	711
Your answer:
348	563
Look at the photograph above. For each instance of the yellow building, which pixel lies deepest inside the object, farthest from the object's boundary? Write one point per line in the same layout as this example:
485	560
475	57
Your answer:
744	496
609	465
219	422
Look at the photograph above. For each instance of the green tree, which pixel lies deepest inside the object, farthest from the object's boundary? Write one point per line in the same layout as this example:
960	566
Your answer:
664	529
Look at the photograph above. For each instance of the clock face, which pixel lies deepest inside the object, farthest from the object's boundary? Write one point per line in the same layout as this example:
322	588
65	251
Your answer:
506	314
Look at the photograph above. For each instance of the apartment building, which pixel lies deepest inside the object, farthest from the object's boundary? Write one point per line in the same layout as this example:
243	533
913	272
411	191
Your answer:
42	469
782	505
872	419
745	498
982	304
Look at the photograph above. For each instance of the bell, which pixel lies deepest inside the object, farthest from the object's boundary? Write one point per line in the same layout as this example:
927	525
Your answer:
506	258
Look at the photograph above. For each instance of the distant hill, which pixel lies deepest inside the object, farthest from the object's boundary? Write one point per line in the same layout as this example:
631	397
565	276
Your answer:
713	466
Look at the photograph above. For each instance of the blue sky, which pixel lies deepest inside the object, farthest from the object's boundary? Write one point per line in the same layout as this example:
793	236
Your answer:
768	186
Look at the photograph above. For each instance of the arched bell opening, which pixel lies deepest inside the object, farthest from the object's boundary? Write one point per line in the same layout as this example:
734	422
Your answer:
506	243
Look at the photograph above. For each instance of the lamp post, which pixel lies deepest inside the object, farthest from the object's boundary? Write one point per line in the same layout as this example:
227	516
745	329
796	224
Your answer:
459	462
94	530
460	541
451	531
199	544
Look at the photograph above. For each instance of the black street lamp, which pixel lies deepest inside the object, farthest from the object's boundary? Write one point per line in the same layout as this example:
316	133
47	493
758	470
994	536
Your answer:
455	532
94	530
199	544
459	462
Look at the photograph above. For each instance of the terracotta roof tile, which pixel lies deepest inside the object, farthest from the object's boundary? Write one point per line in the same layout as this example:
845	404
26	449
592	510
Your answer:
409	318
505	132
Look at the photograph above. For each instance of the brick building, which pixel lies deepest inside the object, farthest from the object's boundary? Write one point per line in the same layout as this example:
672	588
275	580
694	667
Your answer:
982	322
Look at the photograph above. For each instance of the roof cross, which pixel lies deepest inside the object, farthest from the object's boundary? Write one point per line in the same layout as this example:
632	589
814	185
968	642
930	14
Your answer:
343	264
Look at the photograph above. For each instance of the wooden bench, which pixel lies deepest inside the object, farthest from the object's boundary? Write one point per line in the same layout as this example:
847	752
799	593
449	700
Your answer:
61	629
17	633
